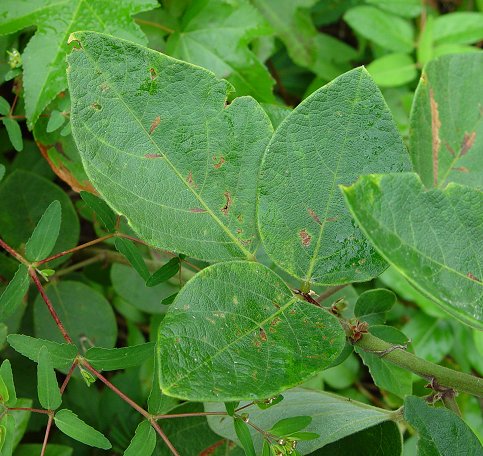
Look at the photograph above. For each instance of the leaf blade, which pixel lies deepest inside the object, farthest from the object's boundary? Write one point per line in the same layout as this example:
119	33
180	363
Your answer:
47	386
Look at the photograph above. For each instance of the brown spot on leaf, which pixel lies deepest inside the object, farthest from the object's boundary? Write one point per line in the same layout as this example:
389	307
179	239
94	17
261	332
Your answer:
450	149
219	161
305	237
331	219
104	87
263	335
314	216
467	144
190	180
154	124
472	277
197	210
153	73
96	106
153	156
226	208
436	141
462	169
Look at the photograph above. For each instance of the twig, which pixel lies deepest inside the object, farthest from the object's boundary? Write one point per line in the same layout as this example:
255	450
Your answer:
187	415
68	377
47	433
330	291
13	252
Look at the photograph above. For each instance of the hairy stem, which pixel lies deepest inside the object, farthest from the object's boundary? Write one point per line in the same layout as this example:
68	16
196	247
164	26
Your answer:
432	372
13	252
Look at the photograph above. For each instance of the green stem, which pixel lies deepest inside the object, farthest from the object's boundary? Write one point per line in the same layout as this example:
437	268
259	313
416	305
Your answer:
445	377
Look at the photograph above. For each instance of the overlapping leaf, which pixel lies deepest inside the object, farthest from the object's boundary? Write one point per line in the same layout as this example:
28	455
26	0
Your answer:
341	131
235	331
162	149
434	238
446	136
44	56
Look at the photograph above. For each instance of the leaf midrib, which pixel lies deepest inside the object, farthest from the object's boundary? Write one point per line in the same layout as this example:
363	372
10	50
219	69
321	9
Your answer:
238	244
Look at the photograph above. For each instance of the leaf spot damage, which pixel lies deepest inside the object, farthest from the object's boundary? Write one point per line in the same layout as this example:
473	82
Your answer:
467	144
153	73
436	141
152	156
305	237
197	210
263	335
314	216
96	106
226	208
154	125
190	180
473	277
219	161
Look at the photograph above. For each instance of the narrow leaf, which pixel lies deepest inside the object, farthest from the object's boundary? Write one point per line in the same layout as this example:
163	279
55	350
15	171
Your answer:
56	120
47	386
169	300
7	425
143	442
62	355
432	237
4	396
7	376
13	295
132	254
341	131
197	206
102	210
231	407
441	432
243	434
290	425
45	234
119	358
230	322
164	273
14	133
70	424
4	106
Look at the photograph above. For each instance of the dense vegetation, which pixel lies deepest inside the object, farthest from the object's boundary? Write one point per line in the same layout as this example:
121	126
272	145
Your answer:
221	234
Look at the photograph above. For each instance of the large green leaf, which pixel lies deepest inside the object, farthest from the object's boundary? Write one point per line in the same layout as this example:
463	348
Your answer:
238	332
44	57
434	238
441	432
215	35
333	417
446	135
163	150
24	197
341	131
86	314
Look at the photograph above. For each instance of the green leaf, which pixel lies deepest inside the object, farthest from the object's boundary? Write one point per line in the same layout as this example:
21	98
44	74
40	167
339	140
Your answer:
4	106
165	272
46	232
381	440
44	56
47	386
14	133
133	255
432	237
441	432
130	286
22	418
384	29
7	428
216	35
62	355
119	358
405	8
432	338
241	326
102	210
34	449
7	376
458	28
14	293
24	197
86	314
393	70
372	305
446	125
169	300
266	449
288	426
341	131
231	407
56	120
70	424
243	434
143	442
387	376
2	172
333	417
4	396
194	206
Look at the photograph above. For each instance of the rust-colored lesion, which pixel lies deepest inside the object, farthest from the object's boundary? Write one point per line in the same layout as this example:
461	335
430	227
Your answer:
436	140
314	216
473	277
219	161
154	124
228	202
305	237
153	156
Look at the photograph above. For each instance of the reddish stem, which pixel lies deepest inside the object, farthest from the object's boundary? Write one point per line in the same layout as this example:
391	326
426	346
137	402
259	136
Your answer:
329	292
13	252
47	433
13	106
69	375
75	249
47	301
131	238
244	407
29	409
133	404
